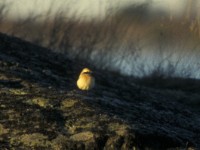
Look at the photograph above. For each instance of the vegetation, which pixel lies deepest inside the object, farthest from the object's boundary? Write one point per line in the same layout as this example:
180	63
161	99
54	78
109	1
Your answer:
130	41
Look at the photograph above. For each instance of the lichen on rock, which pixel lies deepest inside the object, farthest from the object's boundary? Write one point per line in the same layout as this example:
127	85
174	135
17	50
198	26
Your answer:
83	136
18	92
67	103
32	140
3	130
42	102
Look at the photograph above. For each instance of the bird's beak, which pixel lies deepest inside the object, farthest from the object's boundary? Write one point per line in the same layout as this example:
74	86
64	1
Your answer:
90	72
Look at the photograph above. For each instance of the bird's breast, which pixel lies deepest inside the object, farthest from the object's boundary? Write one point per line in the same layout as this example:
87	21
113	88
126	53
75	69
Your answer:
85	82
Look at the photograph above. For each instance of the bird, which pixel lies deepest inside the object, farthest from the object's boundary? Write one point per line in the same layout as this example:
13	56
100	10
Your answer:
86	81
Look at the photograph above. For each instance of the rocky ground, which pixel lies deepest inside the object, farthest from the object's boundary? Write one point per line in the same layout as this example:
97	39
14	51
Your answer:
41	108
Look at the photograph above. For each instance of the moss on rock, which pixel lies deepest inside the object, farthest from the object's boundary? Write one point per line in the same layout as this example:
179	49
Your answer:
3	130
83	136
59	142
18	92
119	129
67	103
32	140
40	101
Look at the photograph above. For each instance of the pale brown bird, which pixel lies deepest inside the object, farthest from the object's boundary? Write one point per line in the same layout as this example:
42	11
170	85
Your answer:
86	81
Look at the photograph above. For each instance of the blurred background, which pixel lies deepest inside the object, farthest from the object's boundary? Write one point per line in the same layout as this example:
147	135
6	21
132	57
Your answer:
140	38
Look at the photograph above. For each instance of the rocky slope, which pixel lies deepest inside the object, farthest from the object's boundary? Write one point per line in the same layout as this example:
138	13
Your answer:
41	108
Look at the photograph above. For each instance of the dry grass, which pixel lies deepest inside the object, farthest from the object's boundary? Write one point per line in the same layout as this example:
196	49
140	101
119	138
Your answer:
113	42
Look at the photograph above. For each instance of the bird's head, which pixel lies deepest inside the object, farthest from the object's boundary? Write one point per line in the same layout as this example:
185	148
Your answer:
86	70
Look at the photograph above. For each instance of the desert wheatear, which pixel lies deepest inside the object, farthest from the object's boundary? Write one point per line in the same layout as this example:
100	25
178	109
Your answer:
86	81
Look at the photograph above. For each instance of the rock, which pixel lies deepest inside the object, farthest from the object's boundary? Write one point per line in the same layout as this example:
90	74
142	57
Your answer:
3	130
32	140
114	143
41	108
83	136
42	102
68	103
119	129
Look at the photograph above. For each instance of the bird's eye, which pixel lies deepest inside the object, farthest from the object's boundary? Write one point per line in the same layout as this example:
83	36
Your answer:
87	72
